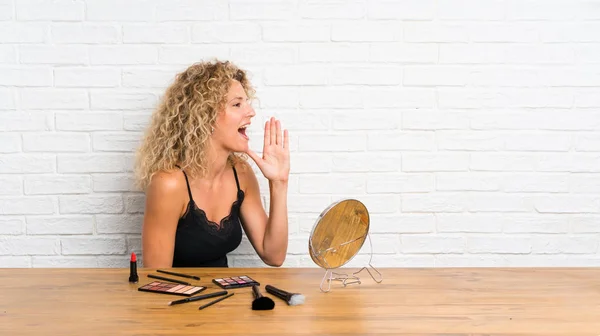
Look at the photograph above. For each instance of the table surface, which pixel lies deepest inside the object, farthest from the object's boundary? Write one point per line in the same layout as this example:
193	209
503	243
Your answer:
413	301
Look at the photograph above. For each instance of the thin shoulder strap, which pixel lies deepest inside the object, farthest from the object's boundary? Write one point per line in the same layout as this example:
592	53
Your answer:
236	177
187	183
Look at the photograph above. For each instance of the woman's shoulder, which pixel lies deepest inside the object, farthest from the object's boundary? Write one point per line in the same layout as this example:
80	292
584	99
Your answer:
167	182
166	193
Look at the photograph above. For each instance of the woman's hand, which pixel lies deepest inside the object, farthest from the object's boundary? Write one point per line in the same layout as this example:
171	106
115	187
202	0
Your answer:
275	161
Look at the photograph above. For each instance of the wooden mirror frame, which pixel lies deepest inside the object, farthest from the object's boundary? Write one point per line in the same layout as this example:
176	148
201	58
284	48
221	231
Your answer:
339	233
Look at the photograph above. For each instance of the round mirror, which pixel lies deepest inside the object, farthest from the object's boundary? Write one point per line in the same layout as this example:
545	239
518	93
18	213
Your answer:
339	233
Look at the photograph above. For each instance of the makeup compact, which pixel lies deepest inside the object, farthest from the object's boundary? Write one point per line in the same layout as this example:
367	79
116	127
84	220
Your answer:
235	282
171	288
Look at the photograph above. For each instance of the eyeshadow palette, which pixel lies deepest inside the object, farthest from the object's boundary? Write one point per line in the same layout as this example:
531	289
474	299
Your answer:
235	282
171	288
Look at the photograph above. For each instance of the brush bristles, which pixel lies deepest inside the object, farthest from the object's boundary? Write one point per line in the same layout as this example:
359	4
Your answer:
263	303
296	299
292	299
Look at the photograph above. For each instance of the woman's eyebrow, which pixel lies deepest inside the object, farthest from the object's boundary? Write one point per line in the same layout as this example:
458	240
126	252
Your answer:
236	98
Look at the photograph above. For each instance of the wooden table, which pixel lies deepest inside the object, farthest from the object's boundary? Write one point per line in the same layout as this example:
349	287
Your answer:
409	301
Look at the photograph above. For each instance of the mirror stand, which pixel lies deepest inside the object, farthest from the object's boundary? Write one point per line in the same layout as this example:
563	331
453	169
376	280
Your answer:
346	279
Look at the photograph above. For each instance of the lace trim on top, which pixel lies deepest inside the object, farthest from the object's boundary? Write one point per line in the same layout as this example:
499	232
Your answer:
226	225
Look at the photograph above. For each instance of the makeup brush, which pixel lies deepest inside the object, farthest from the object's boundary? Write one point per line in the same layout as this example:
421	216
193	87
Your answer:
292	299
261	302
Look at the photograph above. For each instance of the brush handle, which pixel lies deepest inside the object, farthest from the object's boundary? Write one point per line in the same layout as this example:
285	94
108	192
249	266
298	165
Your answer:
179	274
199	297
167	279
256	292
215	301
280	293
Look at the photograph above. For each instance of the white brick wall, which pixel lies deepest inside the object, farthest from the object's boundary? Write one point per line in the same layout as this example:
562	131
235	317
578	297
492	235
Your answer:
470	129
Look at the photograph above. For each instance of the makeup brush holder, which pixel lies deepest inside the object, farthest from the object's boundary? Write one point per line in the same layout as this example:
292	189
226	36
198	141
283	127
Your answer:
340	222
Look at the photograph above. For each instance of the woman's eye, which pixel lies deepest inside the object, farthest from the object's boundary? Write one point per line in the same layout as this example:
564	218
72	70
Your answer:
238	104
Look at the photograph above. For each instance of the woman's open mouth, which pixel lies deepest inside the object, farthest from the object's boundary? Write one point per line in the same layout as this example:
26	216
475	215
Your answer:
242	132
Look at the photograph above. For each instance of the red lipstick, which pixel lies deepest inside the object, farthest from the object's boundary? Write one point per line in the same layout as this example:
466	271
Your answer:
133	276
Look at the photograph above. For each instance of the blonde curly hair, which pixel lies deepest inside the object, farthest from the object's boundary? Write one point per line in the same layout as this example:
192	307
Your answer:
180	127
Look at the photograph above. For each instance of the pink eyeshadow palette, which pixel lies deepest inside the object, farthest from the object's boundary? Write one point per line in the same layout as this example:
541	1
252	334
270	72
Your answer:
171	288
235	282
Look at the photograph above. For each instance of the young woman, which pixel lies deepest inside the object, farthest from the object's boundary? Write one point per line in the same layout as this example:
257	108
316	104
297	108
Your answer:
200	190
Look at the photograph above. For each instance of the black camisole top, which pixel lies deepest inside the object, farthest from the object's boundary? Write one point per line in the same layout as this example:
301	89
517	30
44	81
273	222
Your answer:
200	242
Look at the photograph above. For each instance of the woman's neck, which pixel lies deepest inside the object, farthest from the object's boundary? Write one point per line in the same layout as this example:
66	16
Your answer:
217	161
